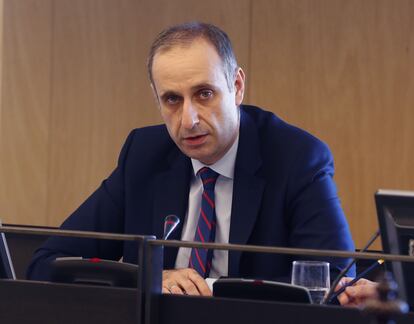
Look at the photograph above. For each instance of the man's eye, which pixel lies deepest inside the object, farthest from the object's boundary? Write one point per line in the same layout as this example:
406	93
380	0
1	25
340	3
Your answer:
172	100
205	94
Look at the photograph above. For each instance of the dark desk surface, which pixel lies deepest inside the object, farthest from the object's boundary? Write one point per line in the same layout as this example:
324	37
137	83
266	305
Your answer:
36	302
220	310
22	248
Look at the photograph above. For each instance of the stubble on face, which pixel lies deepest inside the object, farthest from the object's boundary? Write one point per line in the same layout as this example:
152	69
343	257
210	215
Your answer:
200	111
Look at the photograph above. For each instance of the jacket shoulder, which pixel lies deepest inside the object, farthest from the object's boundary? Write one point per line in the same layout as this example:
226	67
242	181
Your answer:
275	132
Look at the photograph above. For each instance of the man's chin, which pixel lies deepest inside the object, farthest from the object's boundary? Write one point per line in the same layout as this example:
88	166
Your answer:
203	157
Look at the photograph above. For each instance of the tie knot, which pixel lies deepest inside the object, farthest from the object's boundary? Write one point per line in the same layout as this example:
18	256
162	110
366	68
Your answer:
209	177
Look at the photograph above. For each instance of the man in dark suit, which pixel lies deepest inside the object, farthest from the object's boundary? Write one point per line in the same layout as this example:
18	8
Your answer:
273	182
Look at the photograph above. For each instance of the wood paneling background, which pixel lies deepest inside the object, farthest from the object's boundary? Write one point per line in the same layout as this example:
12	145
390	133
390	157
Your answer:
344	71
74	84
1	54
25	101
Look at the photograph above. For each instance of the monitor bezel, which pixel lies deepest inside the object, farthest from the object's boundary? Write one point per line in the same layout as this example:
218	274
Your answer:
391	231
6	264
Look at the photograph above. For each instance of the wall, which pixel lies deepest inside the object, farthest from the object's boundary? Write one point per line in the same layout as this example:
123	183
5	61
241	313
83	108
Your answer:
74	83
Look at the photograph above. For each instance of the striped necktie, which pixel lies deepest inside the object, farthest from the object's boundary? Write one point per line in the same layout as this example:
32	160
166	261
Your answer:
201	259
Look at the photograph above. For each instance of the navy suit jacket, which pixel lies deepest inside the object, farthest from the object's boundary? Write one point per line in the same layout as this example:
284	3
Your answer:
283	195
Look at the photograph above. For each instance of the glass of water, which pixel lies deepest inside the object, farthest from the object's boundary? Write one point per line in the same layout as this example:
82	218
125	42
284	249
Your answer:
313	275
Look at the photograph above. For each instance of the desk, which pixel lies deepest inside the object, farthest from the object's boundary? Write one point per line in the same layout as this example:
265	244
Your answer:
176	309
37	302
44	303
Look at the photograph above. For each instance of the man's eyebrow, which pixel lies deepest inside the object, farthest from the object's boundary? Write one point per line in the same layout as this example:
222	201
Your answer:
168	93
195	88
203	86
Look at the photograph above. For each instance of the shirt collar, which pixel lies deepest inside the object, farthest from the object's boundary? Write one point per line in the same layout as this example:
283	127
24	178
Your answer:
224	166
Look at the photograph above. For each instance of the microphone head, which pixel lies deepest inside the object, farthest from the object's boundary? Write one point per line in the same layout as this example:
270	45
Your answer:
170	223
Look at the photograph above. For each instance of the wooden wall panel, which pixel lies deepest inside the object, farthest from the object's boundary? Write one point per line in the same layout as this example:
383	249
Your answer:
100	86
1	56
74	84
344	71
25	105
96	100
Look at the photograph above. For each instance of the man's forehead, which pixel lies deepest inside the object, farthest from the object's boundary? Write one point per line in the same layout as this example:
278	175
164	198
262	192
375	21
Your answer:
180	50
183	44
192	64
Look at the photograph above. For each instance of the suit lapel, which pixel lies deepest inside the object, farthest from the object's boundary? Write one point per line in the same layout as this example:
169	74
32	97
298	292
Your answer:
247	189
172	189
171	197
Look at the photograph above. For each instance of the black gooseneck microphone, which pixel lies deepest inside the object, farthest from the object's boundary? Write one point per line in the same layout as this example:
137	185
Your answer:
331	291
94	271
170	224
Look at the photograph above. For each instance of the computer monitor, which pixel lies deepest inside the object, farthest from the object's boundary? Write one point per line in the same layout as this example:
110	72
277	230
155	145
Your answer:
6	265
395	210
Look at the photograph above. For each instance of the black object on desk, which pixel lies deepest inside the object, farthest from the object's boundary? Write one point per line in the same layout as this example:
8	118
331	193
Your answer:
6	265
395	210
260	290
94	271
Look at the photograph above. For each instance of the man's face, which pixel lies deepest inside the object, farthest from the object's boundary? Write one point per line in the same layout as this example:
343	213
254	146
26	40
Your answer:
200	111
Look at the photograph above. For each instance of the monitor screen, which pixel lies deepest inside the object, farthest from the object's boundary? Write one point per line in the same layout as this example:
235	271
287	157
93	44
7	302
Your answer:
6	265
395	210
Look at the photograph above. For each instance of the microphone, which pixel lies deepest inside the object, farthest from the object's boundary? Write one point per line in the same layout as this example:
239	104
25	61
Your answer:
94	271
342	274
170	224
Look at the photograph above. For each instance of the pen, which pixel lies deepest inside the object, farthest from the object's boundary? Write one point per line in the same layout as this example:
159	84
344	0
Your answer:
363	273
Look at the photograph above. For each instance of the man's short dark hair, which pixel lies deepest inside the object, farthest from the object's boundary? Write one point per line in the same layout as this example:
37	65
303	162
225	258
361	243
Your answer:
185	34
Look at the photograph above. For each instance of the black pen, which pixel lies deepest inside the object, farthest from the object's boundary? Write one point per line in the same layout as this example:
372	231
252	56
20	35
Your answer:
363	273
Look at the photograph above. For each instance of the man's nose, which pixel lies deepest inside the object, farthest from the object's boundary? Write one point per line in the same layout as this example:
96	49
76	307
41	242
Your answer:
190	115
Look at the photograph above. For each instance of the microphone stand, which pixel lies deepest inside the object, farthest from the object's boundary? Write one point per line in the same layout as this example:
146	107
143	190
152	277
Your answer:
328	296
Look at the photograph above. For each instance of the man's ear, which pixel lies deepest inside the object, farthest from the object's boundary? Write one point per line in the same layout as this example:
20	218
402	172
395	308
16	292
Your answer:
239	86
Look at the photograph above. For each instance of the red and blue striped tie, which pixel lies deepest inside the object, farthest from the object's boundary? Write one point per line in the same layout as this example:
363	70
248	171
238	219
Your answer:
201	259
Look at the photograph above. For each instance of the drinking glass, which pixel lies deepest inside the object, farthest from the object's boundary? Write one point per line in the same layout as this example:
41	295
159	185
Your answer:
314	275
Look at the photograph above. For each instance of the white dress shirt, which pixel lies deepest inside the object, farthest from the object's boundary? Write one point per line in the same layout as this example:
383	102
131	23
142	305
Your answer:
223	193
